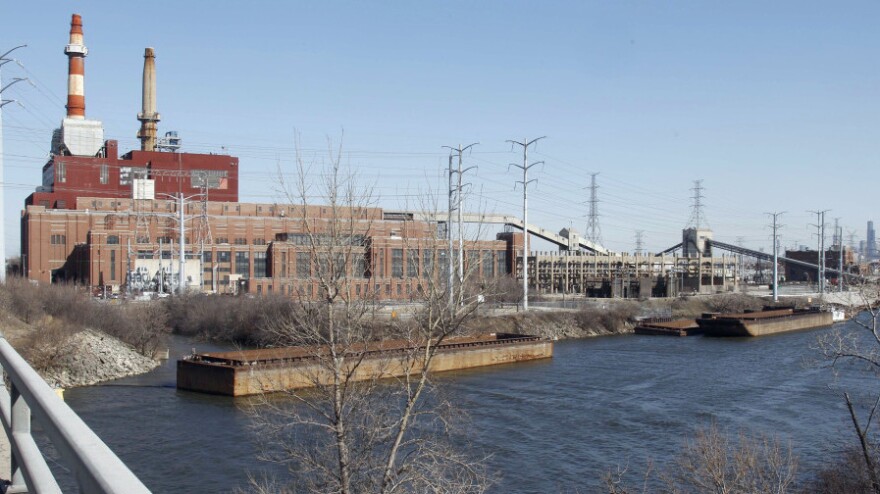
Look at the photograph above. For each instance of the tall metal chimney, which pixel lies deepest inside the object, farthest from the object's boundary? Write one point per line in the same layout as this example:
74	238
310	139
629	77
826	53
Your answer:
76	53
148	116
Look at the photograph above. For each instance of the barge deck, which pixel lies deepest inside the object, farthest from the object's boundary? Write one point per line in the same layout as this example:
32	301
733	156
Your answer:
762	323
248	372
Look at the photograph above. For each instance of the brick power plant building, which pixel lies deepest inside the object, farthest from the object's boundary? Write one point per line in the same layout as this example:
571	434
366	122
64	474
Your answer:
112	223
108	222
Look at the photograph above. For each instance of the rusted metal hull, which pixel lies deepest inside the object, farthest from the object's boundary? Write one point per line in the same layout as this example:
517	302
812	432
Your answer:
668	327
764	323
258	371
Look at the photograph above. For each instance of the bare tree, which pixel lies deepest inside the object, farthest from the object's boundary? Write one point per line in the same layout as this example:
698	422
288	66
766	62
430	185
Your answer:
860	348
351	430
710	462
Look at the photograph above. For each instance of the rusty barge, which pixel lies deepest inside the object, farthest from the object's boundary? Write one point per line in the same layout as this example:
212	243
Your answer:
248	372
765	322
668	326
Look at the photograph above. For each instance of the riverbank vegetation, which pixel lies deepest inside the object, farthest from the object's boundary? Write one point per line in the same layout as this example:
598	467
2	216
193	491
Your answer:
73	340
716	461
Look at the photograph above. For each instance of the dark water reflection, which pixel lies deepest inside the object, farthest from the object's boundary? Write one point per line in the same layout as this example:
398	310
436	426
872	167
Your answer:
550	426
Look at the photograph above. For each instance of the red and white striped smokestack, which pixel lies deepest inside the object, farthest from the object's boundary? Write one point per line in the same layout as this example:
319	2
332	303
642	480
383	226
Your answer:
76	53
148	116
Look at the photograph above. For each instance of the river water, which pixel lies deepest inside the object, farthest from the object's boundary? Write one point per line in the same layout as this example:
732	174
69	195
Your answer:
550	426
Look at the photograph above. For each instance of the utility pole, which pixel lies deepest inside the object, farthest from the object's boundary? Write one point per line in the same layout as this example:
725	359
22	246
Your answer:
838	232
181	220
776	227
161	270
4	59
594	232
820	232
525	183
639	242
453	151
181	286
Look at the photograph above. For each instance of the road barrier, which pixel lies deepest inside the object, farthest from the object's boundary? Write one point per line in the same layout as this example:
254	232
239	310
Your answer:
95	468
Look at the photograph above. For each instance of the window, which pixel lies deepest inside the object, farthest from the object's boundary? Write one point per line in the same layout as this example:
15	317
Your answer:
221	240
58	240
105	174
206	256
259	264
500	263
145	254
259	241
143	239
428	262
324	264
473	260
487	264
303	265
112	265
61	172
397	263
359	266
113	239
211	179
240	241
243	264
412	263
284	264
223	256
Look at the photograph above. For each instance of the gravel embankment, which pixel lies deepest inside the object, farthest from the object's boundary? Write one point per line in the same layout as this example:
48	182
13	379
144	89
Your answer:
95	357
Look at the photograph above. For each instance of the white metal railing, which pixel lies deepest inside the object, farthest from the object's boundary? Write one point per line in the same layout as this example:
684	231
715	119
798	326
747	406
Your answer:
96	469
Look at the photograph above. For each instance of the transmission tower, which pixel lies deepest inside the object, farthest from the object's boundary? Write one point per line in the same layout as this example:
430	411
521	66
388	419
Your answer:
455	203
776	226
640	242
820	233
525	143
202	225
698	219
594	232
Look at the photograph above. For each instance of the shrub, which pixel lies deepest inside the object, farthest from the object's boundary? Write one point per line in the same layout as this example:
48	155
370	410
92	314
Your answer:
45	347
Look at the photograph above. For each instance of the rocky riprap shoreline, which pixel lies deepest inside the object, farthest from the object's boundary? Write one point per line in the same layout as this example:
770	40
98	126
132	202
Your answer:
95	357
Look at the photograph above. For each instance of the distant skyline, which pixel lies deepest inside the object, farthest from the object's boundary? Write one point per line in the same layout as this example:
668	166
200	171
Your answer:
774	106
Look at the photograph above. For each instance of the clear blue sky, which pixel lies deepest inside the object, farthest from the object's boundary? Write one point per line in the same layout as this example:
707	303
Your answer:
774	105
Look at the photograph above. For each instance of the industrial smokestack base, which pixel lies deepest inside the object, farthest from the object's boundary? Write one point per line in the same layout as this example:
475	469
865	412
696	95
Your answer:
148	116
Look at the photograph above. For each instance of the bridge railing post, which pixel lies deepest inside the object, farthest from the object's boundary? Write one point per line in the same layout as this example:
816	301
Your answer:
21	426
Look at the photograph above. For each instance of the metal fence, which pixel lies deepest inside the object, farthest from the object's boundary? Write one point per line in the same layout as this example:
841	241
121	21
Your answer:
95	468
